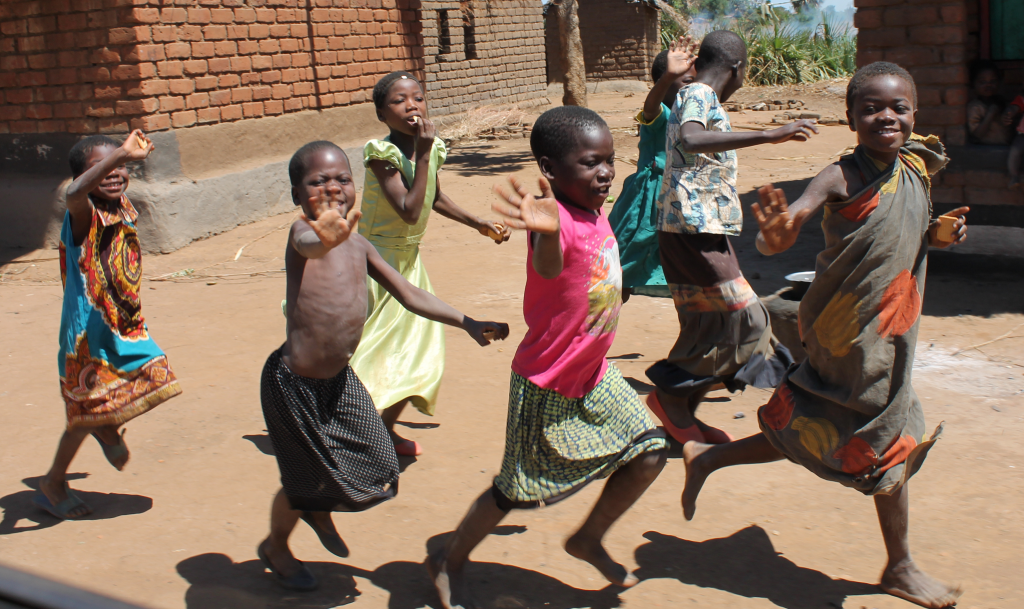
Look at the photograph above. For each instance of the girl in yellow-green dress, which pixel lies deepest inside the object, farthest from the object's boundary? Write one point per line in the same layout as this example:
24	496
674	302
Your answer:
401	356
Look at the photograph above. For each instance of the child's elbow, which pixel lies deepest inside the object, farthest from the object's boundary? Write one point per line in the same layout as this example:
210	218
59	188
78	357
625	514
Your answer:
411	217
688	145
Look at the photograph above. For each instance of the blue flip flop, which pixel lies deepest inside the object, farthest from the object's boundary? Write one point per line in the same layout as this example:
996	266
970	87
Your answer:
61	509
302	581
113	452
330	540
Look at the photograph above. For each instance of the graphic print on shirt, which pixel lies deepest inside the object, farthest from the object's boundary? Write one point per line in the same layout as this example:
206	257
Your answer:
605	291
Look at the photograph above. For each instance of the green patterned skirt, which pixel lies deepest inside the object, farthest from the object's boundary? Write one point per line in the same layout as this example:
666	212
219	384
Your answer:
555	445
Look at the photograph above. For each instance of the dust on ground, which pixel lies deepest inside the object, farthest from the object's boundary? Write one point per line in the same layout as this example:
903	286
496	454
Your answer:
180	526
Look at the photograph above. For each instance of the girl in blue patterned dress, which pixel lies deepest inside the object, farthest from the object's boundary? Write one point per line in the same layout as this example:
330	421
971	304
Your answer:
111	370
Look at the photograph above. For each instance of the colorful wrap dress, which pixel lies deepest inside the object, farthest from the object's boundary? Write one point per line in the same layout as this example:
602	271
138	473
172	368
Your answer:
400	355
634	218
848	413
111	369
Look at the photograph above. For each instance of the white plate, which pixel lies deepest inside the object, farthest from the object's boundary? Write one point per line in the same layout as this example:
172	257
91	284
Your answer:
806	276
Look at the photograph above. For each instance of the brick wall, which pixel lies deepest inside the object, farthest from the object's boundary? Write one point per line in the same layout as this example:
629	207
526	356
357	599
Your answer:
620	40
85	66
481	51
935	40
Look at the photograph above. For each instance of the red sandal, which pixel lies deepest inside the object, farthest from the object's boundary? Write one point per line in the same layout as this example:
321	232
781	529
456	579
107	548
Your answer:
408	448
679	434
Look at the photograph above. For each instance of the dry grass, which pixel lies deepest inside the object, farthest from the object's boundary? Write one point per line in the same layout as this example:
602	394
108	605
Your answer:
481	120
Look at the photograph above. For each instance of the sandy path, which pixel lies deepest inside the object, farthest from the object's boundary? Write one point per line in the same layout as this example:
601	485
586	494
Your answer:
178	528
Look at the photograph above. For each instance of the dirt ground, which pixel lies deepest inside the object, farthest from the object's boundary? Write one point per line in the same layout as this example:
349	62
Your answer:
180	526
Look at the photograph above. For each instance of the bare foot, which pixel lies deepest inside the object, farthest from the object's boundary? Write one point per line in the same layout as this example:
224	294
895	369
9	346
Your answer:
283	560
905	580
58	492
695	476
449	583
108	435
591	551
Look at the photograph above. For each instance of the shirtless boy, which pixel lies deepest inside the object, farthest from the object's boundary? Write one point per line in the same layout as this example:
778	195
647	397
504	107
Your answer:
331	445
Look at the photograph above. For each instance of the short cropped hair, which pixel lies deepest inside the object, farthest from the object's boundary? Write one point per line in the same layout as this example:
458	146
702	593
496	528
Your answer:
721	49
980	66
660	66
558	131
80	152
872	70
380	90
297	166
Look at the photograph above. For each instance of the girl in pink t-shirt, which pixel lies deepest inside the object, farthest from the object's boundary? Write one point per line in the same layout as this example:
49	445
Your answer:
572	417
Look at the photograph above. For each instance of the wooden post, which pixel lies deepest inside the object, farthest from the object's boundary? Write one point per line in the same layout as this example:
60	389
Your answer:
572	54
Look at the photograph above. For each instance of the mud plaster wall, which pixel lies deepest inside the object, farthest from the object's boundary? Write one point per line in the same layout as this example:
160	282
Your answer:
620	40
935	40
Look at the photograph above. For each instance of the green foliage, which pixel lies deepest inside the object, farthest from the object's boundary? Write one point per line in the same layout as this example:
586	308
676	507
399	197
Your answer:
784	47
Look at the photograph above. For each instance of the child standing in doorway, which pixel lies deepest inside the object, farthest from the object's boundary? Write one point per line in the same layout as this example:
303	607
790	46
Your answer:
572	418
401	355
111	369
848	412
635	214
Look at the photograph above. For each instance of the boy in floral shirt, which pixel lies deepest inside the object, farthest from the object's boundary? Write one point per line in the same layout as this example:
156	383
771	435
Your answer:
725	335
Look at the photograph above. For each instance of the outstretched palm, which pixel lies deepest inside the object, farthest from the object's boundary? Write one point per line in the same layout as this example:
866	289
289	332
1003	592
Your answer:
681	55
329	225
523	210
779	227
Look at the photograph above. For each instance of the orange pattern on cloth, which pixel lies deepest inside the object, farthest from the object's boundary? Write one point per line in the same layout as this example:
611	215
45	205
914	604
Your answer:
112	266
859	459
96	393
900	306
779	409
861	208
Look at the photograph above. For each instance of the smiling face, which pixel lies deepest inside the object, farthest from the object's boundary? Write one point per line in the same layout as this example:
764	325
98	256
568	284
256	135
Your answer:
882	114
112	186
405	100
327	172
584	176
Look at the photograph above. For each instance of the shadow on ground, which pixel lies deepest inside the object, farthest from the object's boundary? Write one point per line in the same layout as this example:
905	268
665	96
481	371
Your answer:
482	160
745	564
18	506
957	284
217	582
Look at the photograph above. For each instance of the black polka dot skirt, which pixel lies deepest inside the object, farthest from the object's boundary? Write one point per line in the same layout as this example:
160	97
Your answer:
332	448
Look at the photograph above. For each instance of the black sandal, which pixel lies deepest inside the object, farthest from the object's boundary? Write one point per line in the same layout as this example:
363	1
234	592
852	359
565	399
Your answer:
330	540
301	581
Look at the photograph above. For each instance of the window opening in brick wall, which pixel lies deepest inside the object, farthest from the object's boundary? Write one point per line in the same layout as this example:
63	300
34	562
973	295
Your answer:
1001	24
444	35
469	34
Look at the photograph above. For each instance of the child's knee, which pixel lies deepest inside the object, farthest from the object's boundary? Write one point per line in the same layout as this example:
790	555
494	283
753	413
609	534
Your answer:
650	464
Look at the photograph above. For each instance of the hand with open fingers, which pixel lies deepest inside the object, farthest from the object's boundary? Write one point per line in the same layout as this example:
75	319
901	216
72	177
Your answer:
958	234
483	332
797	131
329	225
523	210
496	231
425	134
681	55
137	146
779	227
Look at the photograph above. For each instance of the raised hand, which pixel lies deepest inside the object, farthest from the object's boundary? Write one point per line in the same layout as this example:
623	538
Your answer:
681	55
483	332
798	131
137	146
779	227
425	134
523	210
497	231
329	225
